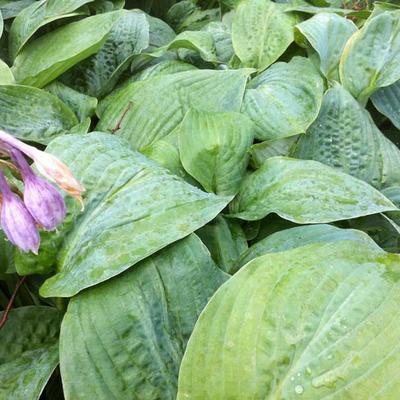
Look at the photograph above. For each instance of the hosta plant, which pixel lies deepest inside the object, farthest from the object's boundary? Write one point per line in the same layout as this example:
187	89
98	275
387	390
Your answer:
199	199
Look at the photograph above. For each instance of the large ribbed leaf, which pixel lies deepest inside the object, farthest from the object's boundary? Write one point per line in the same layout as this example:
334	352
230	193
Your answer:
125	339
34	114
133	208
344	136
38	14
97	75
316	322
284	100
306	192
261	32
131	111
28	352
288	239
47	57
387	101
214	149
327	34
371	57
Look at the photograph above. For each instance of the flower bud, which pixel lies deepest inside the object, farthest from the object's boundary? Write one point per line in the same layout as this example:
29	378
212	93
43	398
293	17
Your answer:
47	164
43	201
17	223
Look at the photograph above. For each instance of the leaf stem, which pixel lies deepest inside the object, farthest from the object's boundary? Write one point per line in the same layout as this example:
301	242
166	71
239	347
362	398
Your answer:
11	302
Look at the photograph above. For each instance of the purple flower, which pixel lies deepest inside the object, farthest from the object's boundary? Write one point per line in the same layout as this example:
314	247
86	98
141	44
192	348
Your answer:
47	164
43	201
17	223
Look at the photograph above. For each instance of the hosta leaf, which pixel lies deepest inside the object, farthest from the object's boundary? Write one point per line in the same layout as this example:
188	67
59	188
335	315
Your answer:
38	14
164	67
97	75
345	137
47	57
315	322
214	149
387	102
261	32
223	40
133	208
11	9
125	338
371	57
130	112
306	192
288	239
327	34
199	41
284	100
34	114
28	351
83	106
226	241
6	76
259	152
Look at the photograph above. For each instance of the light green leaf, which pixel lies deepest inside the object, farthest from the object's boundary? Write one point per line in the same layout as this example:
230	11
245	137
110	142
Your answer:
226	241
288	239
83	106
261	32
6	76
44	59
259	152
387	102
164	67
284	100
199	41
11	9
306	192
28	352
130	112
38	14
97	75
34	114
316	322
125	339
222	38
344	136
132	209
327	33
214	149
371	57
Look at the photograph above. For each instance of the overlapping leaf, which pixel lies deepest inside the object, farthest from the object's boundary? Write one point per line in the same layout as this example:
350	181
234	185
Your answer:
315	322
143	319
38	14
214	148
327	34
97	75
28	351
284	100
130	112
371	57
345	137
44	59
34	114
306	192
261	32
133	208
